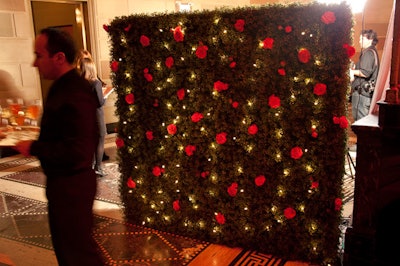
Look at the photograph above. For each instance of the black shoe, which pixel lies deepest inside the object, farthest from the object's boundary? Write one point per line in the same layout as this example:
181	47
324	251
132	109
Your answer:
105	157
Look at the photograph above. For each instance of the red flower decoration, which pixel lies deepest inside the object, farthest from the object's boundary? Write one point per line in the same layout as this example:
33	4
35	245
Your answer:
196	117
221	137
157	170
171	129
130	183
314	184
205	174
349	49
338	204
106	27
176	205
296	153
220	218
149	135
253	129
155	103
147	75
114	66
314	134
181	94
289	213
233	189
304	55
178	34
341	121
130	98
232	64
127	28
288	29
336	120
319	89
201	51
235	104
119	142
144	40
328	17
274	101
220	86
281	71
169	62
259	180
190	149
239	25
268	43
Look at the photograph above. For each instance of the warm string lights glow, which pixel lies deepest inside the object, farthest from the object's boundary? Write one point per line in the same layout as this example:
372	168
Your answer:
223	135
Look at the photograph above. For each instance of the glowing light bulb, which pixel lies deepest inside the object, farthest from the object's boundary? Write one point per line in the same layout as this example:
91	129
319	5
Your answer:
201	224
286	172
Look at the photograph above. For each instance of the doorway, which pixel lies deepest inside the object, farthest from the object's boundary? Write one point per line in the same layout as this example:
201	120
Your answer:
71	16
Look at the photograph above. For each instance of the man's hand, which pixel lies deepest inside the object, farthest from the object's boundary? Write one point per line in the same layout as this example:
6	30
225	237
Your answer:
24	147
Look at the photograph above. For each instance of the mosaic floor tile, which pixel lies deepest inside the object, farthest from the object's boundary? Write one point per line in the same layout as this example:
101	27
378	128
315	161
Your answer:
25	220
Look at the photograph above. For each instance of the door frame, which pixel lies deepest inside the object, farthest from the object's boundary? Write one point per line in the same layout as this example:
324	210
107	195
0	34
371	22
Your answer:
89	34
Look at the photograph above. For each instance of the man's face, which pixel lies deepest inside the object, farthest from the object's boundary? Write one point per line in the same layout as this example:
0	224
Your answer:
364	42
45	63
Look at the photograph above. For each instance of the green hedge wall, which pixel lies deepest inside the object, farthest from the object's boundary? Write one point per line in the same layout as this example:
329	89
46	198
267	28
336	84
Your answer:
232	124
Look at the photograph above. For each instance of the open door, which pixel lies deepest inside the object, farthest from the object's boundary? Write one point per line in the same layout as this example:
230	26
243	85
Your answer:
69	16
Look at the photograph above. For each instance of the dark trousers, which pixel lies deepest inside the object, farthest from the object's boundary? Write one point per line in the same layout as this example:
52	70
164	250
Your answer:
70	202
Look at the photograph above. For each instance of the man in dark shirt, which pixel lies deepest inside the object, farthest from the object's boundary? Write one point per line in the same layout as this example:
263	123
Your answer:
364	75
65	148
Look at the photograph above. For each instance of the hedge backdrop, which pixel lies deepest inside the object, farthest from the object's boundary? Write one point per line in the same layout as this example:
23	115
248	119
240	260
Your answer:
232	124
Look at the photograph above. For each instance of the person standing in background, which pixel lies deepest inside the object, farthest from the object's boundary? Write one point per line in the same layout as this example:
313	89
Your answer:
86	54
364	75
65	147
88	70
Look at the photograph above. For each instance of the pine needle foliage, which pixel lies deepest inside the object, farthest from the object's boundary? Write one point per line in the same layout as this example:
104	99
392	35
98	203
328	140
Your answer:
232	124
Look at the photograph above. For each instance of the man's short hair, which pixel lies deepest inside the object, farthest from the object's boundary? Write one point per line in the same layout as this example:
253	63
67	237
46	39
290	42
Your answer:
60	41
370	35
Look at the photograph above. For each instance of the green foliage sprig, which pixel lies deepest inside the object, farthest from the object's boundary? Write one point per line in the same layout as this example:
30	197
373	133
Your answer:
232	124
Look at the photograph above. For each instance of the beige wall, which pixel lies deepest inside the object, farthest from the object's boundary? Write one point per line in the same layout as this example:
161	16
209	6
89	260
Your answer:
17	35
16	53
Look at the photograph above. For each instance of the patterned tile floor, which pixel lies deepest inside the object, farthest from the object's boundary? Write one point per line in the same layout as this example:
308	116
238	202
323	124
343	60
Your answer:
25	220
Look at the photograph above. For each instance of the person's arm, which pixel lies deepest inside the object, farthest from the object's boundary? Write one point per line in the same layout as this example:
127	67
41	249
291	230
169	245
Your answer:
367	65
98	88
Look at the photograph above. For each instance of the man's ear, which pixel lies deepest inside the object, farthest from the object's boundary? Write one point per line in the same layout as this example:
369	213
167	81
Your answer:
60	57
